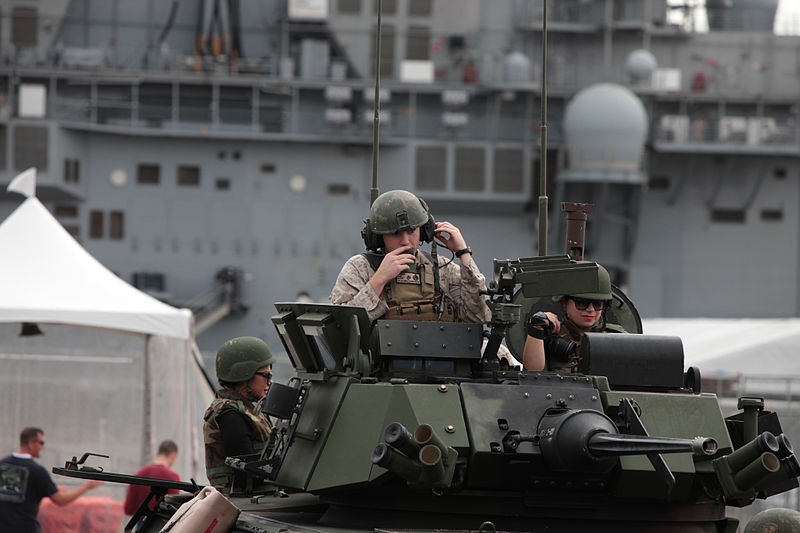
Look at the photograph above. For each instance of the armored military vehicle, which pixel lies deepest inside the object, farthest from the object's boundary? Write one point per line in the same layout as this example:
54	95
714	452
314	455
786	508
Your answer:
405	425
418	426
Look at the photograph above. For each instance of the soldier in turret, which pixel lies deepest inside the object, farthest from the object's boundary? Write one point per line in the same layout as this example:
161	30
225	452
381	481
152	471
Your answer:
553	344
233	423
394	280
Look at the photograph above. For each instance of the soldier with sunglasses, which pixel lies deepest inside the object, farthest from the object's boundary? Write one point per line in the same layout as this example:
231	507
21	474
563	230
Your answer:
233	423
554	344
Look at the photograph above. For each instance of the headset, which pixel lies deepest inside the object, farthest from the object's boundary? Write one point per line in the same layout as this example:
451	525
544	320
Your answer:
374	241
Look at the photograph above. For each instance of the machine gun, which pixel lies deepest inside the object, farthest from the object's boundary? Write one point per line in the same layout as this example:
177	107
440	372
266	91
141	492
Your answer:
158	487
537	276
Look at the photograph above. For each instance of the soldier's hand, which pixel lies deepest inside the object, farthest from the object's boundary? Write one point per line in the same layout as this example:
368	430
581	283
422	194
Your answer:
542	324
454	240
393	264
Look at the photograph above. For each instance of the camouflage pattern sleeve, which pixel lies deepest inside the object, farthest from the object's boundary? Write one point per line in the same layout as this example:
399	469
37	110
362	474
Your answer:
462	284
352	288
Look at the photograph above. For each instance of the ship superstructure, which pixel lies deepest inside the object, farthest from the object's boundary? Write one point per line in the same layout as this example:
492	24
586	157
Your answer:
187	144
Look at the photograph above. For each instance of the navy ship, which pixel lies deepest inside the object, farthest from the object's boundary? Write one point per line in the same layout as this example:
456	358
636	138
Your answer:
218	153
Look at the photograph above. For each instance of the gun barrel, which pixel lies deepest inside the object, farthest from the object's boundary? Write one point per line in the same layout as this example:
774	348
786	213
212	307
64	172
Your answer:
387	457
397	436
615	444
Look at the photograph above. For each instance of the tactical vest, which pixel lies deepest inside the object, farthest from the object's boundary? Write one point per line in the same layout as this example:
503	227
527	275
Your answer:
219	474
412	294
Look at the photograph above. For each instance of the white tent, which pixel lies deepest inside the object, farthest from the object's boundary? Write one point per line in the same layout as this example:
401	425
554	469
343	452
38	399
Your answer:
765	346
115	372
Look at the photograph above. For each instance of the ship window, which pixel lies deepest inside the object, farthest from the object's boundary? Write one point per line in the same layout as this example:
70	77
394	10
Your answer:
419	8
267	168
780	173
772	215
96	225
116	225
469	171
66	211
23	26
149	281
223	184
147	174
221	154
338	189
350	6
72	168
388	7
387	50
430	168
30	148
735	216
507	170
73	230
188	176
658	183
418	43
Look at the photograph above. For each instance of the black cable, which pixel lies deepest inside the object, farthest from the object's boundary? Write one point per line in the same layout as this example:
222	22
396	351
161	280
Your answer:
452	253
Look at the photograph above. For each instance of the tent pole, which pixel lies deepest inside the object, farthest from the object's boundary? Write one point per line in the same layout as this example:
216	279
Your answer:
147	419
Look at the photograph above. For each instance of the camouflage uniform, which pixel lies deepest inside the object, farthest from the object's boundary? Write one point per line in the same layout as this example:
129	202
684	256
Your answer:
220	475
459	282
775	520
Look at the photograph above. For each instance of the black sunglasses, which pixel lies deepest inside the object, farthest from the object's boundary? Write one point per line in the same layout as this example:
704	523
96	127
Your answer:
581	304
265	375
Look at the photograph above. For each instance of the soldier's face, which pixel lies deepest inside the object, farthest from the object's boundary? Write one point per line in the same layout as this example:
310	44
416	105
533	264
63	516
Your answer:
583	319
259	383
402	240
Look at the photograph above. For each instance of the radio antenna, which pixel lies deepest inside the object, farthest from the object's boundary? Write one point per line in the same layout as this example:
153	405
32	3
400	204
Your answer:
542	141
374	192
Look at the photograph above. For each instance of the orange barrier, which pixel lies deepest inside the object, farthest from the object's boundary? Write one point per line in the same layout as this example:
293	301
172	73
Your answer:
87	514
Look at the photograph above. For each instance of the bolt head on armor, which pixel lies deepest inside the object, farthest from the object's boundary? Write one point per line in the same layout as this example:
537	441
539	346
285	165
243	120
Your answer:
239	359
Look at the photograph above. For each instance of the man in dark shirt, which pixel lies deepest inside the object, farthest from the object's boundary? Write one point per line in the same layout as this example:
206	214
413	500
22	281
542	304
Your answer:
23	484
167	453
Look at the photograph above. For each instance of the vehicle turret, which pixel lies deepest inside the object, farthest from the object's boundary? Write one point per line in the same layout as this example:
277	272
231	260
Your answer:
405	419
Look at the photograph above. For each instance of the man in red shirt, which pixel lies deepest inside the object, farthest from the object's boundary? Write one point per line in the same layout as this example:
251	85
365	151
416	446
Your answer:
167	452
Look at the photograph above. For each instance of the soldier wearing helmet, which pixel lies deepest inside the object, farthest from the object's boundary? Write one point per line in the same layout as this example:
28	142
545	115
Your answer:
233	423
777	520
395	281
583	313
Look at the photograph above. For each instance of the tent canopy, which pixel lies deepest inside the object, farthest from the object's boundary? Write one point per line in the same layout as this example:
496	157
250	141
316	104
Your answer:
46	276
116	371
757	346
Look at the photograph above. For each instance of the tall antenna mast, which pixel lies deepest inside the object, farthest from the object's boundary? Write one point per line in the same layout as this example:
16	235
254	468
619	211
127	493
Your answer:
543	141
374	192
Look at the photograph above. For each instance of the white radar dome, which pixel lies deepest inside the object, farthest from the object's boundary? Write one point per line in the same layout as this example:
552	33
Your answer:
516	68
606	128
640	65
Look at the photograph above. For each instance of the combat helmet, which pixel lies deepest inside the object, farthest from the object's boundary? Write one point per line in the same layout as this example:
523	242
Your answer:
603	288
777	520
393	212
239	359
